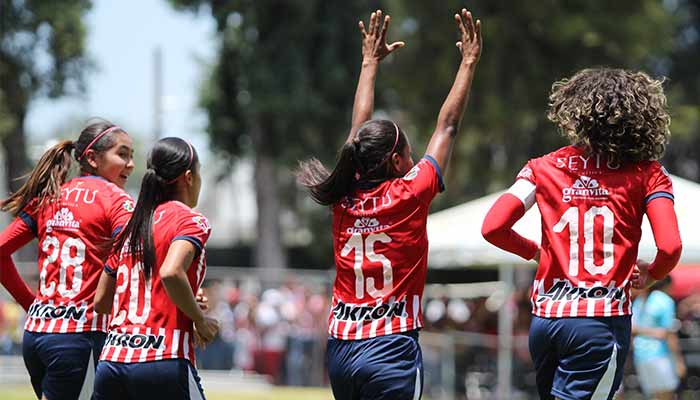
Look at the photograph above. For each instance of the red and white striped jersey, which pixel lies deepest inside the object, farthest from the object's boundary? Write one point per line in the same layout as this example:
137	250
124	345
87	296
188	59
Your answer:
146	325
74	236
381	253
591	226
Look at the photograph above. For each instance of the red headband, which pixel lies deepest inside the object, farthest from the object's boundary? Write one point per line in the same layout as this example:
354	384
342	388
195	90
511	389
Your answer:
104	132
396	141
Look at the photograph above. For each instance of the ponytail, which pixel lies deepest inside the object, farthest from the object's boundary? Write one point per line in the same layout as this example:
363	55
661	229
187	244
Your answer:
327	188
45	180
139	230
169	158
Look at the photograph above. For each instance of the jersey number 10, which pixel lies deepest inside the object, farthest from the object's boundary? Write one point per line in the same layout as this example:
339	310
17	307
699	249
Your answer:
365	248
571	218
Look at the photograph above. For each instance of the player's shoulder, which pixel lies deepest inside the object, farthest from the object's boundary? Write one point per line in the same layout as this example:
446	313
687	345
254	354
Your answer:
661	299
179	214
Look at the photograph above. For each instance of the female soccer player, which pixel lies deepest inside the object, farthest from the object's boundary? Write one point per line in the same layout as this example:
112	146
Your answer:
74	222
592	196
380	206
158	266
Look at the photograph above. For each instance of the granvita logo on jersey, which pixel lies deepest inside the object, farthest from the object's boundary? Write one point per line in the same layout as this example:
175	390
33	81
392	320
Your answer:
63	219
366	225
584	188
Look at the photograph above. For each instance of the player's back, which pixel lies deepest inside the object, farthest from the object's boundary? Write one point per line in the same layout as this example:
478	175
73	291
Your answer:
146	325
74	235
592	214
380	245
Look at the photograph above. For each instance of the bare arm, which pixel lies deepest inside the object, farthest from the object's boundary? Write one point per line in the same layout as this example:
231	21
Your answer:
104	295
675	347
173	274
450	117
374	49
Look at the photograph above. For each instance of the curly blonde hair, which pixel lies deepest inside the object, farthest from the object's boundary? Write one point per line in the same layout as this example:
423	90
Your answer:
613	112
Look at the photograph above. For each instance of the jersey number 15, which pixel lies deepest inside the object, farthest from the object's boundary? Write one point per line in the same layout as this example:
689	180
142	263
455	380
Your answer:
365	248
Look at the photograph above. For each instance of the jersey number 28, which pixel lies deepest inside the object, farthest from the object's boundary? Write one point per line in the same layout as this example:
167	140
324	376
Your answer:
53	249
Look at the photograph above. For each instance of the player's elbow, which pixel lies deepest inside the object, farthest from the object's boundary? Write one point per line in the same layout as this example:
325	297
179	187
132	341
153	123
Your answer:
490	231
168	275
103	305
671	251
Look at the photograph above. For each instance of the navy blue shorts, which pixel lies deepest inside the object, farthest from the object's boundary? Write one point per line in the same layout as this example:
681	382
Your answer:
384	367
579	358
62	365
174	379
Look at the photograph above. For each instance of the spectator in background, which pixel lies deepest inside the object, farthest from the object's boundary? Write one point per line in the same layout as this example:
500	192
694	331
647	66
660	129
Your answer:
657	356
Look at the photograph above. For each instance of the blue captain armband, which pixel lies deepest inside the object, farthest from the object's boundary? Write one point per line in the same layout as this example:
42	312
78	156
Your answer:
111	272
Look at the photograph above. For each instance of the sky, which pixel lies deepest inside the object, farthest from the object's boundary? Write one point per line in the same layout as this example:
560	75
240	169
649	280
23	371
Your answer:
122	37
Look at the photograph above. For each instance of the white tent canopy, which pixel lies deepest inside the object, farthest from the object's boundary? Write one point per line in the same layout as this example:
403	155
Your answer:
455	233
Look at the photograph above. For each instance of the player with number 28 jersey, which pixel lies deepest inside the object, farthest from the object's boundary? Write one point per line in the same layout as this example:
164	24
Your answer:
72	236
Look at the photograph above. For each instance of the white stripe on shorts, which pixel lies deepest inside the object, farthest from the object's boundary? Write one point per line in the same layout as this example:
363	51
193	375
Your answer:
195	394
602	392
417	389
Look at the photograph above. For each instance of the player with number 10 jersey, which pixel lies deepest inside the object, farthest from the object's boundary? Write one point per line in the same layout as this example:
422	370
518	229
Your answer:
592	197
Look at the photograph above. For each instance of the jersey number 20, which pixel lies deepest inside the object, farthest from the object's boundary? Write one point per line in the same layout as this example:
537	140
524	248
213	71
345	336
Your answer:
571	218
365	248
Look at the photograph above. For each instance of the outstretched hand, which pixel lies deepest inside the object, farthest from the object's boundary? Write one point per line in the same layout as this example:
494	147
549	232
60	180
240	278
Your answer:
374	45
470	37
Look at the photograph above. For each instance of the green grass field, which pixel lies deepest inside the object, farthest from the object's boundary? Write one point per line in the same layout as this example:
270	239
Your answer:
282	393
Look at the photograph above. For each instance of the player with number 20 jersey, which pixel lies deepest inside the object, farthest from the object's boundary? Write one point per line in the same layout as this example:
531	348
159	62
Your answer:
145	324
592	197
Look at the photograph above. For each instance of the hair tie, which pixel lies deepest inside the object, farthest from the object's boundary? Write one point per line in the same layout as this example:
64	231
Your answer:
103	133
396	141
189	164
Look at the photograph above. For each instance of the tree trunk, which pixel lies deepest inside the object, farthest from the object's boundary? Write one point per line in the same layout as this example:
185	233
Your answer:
16	161
269	250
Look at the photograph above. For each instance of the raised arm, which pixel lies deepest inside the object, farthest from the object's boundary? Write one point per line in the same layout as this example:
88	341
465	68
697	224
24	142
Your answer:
450	117
374	49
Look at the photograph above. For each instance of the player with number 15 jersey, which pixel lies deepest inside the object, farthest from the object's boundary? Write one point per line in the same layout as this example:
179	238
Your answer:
592	197
380	203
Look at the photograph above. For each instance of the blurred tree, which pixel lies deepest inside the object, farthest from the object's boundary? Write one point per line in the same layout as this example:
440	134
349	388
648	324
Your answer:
683	64
281	90
42	46
283	83
527	46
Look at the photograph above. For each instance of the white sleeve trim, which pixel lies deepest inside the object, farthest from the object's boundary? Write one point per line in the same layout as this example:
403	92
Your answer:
525	191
